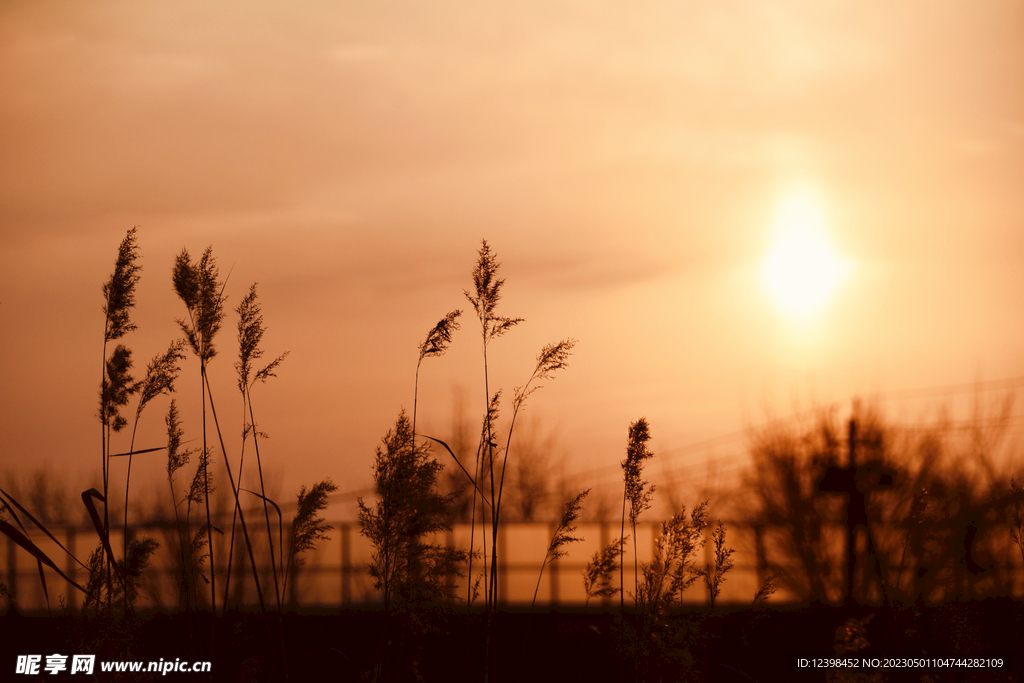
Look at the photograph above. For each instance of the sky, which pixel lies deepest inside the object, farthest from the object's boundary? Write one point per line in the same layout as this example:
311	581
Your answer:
632	167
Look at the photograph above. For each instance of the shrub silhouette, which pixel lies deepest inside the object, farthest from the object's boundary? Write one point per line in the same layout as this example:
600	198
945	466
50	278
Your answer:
406	566
934	532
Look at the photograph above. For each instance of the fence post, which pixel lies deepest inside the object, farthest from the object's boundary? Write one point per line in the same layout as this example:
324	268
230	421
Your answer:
69	535
502	572
605	540
553	572
449	540
12	574
346	565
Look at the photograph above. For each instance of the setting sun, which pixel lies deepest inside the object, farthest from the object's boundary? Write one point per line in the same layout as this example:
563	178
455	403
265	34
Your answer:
802	270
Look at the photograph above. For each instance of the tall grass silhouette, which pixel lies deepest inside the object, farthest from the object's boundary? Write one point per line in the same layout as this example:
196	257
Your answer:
116	385
202	293
943	521
250	333
409	570
562	537
484	298
636	492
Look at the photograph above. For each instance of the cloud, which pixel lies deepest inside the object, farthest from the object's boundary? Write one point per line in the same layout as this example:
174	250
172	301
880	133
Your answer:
356	53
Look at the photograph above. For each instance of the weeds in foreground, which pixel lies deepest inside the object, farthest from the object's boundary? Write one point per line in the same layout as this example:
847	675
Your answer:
637	492
484	299
1017	516
110	577
410	571
562	537
714	573
176	459
161	373
308	527
766	589
116	385
551	358
597	577
250	333
673	568
130	568
198	287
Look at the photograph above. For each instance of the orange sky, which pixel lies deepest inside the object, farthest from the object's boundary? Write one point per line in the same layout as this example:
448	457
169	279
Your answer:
626	164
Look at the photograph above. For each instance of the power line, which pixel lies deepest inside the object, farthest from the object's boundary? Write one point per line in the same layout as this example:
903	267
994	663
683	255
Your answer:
603	473
950	389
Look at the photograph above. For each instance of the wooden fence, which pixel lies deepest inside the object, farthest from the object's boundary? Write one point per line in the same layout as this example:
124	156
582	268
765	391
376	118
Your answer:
336	573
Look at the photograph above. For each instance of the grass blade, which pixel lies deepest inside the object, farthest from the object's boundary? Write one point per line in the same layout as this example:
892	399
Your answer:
470	476
280	517
39	525
87	498
26	543
144	450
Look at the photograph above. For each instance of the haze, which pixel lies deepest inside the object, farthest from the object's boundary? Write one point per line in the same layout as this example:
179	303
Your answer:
626	164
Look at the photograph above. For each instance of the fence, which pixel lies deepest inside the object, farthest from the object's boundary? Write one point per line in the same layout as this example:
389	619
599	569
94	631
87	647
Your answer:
336	573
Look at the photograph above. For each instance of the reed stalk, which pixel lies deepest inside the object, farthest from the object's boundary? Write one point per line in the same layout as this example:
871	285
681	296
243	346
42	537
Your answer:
116	385
637	492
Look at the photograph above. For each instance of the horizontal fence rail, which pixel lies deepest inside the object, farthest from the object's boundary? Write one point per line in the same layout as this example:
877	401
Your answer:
336	573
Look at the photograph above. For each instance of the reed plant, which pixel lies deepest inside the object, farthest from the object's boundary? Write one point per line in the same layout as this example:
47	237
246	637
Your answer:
673	568
637	492
600	570
484	299
1017	516
177	458
562	537
411	572
202	292
766	590
551	358
406	568
116	389
199	288
250	333
308	527
116	386
713	573
161	373
202	485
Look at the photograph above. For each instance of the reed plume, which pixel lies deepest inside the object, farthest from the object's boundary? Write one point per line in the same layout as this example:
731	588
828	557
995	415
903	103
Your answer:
116	383
597	577
551	358
714	574
176	459
487	293
117	389
308	527
119	291
202	485
562	537
435	345
636	491
250	333
161	373
199	288
766	590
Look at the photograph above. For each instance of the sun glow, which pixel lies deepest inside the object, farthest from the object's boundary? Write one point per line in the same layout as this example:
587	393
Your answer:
802	271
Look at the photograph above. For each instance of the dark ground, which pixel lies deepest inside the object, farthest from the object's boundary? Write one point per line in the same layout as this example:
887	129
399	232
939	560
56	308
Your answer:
567	645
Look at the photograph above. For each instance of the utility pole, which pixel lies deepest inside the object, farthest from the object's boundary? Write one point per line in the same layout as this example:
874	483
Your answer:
855	482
